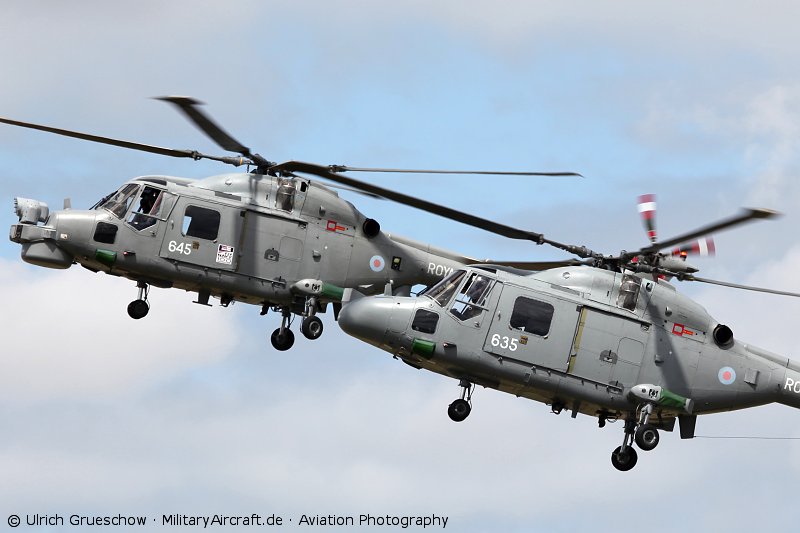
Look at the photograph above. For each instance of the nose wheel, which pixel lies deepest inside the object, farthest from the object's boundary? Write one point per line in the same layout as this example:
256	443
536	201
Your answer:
139	308
460	409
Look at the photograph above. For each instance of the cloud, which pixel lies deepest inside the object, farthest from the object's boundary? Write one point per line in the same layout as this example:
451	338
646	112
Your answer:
73	338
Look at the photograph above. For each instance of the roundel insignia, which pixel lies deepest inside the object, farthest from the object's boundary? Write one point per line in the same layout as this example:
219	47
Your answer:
376	263
726	375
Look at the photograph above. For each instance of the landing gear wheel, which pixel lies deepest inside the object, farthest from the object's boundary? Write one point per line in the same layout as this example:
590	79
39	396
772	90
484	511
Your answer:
646	437
282	342
311	327
138	309
459	410
624	460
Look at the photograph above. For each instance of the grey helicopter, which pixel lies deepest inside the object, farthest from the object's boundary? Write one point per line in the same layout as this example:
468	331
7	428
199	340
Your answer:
269	237
605	336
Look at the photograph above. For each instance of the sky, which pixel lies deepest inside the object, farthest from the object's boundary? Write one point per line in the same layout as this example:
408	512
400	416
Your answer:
191	411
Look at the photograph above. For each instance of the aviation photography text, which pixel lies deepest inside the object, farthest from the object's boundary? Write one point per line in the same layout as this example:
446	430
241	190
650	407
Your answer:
227	521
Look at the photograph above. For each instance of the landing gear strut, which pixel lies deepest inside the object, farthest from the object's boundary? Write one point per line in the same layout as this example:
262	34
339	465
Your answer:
311	325
282	338
637	429
139	308
646	436
624	457
460	408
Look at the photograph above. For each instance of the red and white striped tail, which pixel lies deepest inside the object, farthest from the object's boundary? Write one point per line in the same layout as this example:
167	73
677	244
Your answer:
647	210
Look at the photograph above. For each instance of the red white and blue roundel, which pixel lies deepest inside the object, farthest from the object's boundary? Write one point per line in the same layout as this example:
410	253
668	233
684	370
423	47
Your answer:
726	375
376	263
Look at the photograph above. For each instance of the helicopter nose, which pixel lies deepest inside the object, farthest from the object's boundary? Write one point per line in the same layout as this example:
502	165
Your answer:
367	319
40	244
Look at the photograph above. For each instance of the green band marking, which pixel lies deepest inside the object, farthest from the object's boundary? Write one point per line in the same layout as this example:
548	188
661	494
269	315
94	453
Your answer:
332	292
423	348
106	257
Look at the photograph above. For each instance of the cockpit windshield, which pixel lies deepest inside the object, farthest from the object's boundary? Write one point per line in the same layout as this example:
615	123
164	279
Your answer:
119	202
444	290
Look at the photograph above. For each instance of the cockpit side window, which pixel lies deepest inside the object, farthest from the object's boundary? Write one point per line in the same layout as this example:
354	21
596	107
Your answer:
629	292
444	290
121	200
471	300
154	204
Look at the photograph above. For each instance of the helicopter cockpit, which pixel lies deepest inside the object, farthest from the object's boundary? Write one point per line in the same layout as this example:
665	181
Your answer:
153	204
470	300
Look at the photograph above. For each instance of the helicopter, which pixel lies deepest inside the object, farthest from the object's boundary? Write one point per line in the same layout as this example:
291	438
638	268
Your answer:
268	237
600	335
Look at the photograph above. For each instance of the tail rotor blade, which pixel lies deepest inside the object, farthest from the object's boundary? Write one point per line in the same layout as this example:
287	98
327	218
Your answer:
647	210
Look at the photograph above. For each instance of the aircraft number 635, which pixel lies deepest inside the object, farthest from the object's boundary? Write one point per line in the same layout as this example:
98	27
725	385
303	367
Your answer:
505	342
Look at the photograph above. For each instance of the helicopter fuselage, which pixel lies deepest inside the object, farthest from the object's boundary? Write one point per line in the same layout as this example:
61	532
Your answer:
238	237
590	340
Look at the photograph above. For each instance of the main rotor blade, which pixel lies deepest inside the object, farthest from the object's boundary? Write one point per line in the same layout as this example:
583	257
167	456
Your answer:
424	205
344	168
746	216
689	277
535	265
189	107
452	214
191	154
357	191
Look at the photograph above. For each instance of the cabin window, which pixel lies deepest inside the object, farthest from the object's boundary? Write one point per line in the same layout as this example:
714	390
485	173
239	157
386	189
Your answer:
425	321
201	222
471	300
444	290
120	201
532	316
629	292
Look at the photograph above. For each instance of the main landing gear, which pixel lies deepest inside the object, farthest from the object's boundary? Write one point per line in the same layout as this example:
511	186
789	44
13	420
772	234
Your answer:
637	429
283	338
460	409
139	308
312	325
